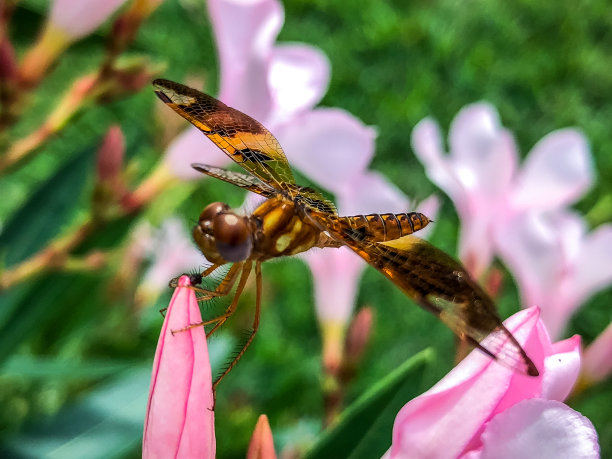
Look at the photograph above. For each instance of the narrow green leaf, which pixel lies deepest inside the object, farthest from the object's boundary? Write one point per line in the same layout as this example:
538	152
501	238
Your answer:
107	423
364	429
47	210
44	368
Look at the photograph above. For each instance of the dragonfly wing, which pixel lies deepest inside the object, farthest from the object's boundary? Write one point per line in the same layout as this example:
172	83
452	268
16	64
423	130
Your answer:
245	181
440	284
242	138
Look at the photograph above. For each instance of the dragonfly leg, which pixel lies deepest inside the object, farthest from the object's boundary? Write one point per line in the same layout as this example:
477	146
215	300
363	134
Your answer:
246	272
223	288
232	275
207	272
253	331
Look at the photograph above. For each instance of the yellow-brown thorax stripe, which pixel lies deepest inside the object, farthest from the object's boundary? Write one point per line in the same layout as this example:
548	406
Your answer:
378	227
280	229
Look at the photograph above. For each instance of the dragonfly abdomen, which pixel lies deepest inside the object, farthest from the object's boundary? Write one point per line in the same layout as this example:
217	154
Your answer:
379	227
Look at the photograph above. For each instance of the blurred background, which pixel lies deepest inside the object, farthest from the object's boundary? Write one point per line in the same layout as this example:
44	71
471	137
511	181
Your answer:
79	327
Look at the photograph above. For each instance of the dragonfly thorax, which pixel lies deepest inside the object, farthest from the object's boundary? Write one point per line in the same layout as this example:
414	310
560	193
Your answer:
222	235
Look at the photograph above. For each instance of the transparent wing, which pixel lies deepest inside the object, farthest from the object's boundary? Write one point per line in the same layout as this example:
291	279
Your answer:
440	284
243	139
246	181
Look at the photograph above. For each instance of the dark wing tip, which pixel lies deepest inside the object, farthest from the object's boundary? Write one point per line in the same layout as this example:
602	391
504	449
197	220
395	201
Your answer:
200	167
162	86
164	98
162	83
531	368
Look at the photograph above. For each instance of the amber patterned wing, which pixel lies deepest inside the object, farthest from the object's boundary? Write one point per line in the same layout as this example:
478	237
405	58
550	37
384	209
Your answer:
441	285
246	181
242	138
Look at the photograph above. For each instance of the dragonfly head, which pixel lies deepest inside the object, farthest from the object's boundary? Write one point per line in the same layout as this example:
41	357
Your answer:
222	235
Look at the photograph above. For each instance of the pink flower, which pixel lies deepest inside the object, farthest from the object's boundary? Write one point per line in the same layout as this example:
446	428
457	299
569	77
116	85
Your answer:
481	177
278	85
180	417
546	253
482	409
78	18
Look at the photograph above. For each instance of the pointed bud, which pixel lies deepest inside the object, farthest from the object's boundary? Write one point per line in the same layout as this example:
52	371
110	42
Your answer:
180	417
110	155
126	26
262	443
359	334
8	62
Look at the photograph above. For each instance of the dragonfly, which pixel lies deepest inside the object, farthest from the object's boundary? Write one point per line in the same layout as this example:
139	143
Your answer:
293	219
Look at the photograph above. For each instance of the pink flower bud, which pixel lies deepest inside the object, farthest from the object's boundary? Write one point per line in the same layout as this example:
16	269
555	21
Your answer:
110	155
180	417
262	444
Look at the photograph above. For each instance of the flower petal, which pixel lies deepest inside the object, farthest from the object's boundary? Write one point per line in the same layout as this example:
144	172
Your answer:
427	145
336	274
429	207
476	386
483	154
79	18
597	272
561	369
245	31
180	417
598	357
539	428
192	147
329	145
535	247
546	252
557	171
371	192
298	78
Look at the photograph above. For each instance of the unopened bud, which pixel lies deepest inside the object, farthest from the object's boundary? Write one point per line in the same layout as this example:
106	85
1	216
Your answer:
8	62
359	334
262	443
493	281
110	155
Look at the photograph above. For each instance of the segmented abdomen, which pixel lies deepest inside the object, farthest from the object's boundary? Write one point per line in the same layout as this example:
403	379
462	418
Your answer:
378	227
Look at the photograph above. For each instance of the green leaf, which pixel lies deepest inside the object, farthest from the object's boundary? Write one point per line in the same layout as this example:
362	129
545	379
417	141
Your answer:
47	210
364	429
44	368
107	423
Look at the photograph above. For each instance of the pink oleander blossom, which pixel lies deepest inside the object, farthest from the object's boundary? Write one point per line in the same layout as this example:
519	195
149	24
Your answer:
277	84
78	18
180	417
546	254
482	409
480	175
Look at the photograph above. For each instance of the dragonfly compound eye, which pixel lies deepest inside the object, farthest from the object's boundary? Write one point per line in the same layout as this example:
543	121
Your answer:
212	210
232	236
